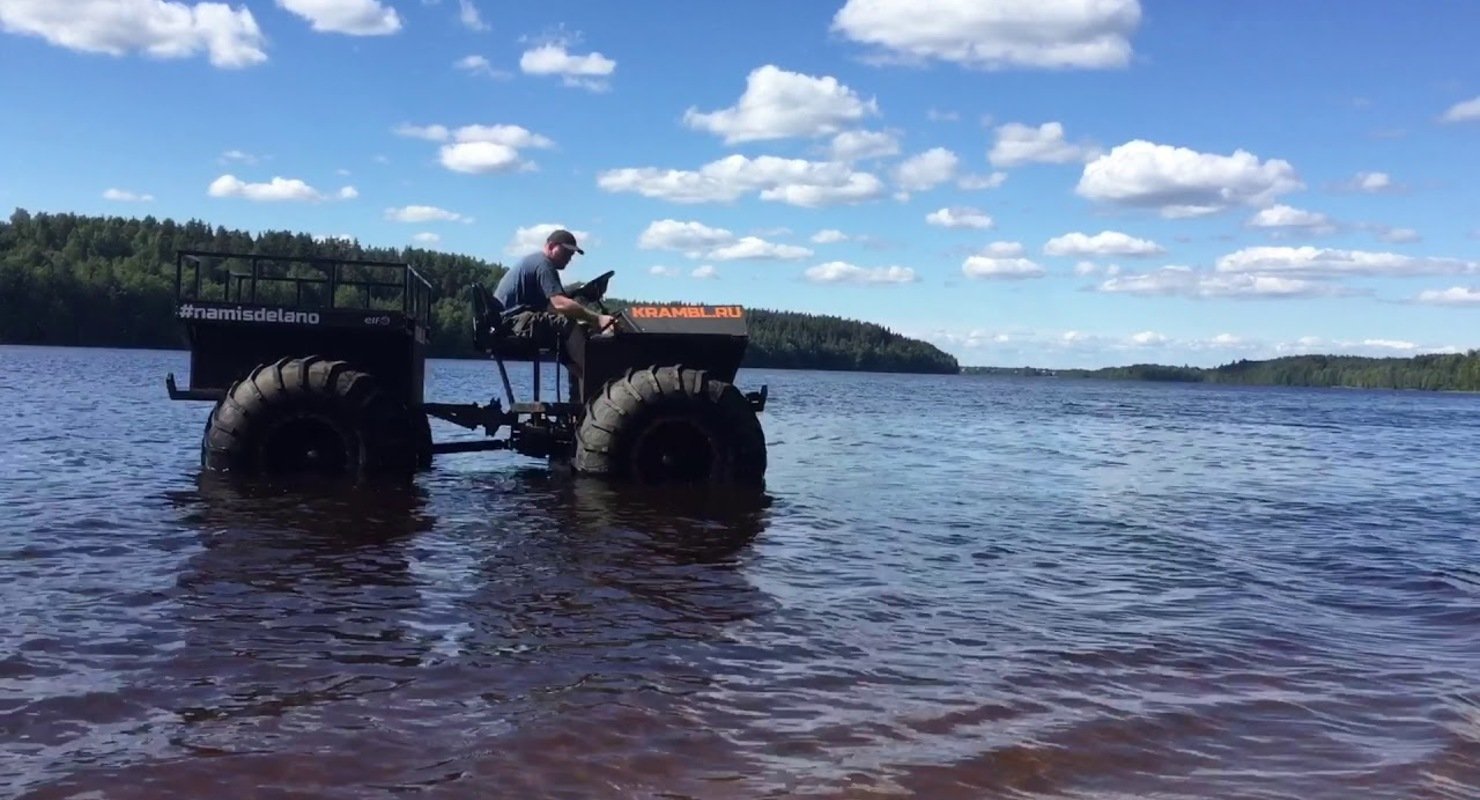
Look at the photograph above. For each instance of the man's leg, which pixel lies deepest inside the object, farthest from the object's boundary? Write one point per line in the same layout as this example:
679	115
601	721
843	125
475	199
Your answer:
549	329
543	326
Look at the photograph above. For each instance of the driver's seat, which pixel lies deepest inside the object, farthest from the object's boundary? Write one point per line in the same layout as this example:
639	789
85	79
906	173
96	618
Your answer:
489	324
492	333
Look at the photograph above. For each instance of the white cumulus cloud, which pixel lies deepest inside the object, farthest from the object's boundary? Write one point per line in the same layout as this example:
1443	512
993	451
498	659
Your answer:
1050	34
1453	296
974	182
126	196
1286	217
1023	144
507	135
693	237
705	272
432	133
479	149
793	181
1003	249
959	217
157	28
277	190
753	247
1025	346
1373	346
1001	260
477	65
858	145
843	272
1370	183
1325	263
424	214
829	236
1390	344
1397	235
778	104
1187	282
1466	111
468	15
481	157
591	71
1104	243
352	17
1181	182
697	240
926	170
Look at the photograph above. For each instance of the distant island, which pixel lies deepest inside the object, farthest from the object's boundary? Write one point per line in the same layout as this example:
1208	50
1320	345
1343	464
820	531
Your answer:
69	279
1435	372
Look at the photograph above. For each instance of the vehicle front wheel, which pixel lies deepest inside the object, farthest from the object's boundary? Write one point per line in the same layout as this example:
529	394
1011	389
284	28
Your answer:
671	425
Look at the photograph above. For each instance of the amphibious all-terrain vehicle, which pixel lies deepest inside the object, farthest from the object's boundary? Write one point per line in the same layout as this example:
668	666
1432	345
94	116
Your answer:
317	365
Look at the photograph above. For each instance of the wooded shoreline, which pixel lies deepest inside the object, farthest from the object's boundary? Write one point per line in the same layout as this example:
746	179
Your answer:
74	280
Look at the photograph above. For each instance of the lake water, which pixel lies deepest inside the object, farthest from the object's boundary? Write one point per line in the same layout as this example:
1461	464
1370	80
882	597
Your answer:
953	587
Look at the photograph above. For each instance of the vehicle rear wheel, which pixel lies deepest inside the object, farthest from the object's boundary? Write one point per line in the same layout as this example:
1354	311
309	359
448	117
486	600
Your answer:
671	425
310	416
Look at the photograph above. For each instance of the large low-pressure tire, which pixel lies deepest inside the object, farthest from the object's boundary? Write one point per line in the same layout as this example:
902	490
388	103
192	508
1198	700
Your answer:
310	415
671	425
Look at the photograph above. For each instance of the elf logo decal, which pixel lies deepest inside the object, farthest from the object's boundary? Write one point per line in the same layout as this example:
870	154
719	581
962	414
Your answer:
687	312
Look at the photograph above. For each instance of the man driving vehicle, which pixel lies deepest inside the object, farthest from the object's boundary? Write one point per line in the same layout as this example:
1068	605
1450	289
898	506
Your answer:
537	305
535	301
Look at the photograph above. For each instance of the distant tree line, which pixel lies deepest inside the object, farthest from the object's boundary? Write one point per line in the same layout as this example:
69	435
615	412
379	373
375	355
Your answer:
69	279
1434	371
791	340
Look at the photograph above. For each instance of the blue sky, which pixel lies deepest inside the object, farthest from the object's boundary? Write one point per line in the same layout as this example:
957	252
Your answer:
1023	182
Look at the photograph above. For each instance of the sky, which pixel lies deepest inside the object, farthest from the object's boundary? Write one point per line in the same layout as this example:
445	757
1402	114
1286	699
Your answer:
1050	183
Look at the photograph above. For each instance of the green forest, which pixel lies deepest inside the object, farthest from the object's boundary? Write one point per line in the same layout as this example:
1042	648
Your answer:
1436	372
68	279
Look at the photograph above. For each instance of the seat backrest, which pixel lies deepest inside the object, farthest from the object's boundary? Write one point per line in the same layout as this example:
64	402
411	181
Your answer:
488	316
480	300
495	309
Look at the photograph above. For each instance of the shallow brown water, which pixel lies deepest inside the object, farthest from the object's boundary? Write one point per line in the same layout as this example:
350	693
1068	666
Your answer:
950	588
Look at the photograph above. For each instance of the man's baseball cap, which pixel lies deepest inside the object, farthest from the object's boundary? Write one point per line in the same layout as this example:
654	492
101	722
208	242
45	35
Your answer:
564	238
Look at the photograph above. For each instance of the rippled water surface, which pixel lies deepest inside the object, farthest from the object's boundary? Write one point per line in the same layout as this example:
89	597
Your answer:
952	587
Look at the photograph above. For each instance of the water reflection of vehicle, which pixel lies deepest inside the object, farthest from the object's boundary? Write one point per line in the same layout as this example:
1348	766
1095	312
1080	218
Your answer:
282	549
694	523
318	511
522	623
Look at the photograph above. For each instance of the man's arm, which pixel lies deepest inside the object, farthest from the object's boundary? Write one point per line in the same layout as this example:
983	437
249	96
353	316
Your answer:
560	303
569	308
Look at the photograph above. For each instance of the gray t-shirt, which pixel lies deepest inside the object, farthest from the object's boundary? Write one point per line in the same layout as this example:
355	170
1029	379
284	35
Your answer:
529	285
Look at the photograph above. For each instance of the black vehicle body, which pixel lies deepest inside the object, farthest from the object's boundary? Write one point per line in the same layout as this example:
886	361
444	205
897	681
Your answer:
318	365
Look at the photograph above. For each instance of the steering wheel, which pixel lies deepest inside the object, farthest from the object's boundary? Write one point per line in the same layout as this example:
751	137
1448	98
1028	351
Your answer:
594	289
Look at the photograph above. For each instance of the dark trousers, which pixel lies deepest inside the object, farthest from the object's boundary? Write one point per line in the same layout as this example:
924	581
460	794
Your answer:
546	327
549	330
